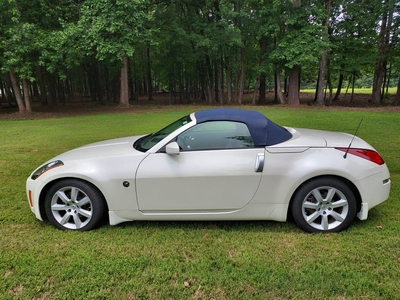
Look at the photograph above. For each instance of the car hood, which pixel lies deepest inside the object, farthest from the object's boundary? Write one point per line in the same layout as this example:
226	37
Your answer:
321	138
114	147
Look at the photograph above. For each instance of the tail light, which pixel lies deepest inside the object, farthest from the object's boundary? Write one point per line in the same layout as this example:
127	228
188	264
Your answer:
368	154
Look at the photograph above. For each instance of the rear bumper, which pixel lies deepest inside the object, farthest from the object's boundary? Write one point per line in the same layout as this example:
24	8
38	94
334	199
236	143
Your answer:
374	190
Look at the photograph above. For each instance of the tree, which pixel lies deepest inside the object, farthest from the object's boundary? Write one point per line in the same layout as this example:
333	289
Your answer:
110	30
352	38
320	97
294	75
19	54
299	43
269	27
383	49
195	50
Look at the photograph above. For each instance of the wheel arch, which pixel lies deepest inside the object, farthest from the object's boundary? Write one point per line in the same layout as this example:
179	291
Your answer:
351	185
46	188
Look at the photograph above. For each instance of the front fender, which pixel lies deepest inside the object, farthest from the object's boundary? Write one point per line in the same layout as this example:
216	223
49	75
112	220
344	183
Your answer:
113	176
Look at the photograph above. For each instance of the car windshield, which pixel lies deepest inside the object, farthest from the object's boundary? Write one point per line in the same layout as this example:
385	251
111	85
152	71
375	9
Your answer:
150	140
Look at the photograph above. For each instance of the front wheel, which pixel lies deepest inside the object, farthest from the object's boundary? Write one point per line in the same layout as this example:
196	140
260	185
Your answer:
74	204
324	205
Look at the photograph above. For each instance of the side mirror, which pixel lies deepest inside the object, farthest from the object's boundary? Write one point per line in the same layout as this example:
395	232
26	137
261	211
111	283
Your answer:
172	148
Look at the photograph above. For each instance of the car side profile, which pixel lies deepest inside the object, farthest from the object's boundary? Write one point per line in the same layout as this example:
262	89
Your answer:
217	164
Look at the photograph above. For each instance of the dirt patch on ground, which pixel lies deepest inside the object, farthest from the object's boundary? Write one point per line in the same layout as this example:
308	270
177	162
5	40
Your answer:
83	106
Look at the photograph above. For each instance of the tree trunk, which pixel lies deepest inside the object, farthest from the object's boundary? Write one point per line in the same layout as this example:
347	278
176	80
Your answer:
27	99
115	88
320	96
210	92
339	87
124	90
42	85
51	84
17	92
60	91
149	79
236	86
221	80
2	91
329	84
262	76
294	75
383	48
293	95
9	90
397	99
242	77
91	81
348	85
256	88
99	83
388	77
215	83
218	82
279	93
228	81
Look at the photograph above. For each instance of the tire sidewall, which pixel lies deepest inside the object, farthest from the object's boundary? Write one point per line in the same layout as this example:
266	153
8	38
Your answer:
96	199
303	191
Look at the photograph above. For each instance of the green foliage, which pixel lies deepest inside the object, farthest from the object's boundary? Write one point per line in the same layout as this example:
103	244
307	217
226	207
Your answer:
200	260
112	28
193	44
354	37
300	43
18	41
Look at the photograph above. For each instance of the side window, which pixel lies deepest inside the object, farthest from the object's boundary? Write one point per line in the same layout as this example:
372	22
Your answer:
216	135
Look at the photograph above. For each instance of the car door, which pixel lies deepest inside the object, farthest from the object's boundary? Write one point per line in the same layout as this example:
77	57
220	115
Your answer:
217	169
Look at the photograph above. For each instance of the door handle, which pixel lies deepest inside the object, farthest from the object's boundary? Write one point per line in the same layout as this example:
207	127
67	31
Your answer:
259	167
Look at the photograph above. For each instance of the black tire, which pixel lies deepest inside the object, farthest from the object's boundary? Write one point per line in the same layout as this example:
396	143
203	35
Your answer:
324	204
73	204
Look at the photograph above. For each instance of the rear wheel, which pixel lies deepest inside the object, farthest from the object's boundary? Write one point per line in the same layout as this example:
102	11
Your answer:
324	205
75	205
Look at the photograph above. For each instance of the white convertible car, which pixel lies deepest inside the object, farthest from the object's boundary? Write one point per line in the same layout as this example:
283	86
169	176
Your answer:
218	164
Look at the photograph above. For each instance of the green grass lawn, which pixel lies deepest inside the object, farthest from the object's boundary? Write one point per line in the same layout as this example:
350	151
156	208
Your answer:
366	91
191	260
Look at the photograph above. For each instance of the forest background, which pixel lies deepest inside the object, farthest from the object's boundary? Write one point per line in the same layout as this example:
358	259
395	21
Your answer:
115	51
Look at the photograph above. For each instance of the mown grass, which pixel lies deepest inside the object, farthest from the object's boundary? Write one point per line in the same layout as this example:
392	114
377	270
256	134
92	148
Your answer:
364	91
191	260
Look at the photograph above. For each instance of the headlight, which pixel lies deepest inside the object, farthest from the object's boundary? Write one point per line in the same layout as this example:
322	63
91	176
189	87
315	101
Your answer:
46	167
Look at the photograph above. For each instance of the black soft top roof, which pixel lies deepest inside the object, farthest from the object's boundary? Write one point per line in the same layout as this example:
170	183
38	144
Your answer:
263	131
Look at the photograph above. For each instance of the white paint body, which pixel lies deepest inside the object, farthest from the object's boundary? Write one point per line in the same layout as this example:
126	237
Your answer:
214	184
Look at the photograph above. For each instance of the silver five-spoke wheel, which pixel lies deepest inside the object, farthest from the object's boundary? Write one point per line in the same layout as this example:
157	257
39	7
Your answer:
324	204
74	204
